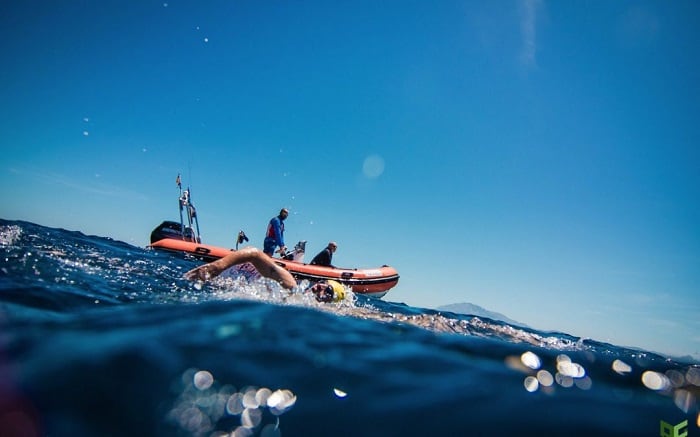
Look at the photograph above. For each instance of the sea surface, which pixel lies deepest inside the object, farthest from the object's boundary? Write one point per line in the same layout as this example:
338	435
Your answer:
101	338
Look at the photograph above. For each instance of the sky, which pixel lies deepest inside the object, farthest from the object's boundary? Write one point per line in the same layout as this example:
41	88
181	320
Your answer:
538	158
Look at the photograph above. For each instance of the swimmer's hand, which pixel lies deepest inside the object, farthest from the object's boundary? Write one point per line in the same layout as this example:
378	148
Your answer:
204	272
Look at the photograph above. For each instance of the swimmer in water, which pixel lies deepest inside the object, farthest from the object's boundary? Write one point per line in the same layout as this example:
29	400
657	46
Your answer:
324	291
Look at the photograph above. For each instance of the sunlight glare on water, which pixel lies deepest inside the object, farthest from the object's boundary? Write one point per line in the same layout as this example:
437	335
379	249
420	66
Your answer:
621	367
200	406
568	368
339	393
249	398
203	380
545	378
281	401
684	400
655	380
568	374
234	405
251	417
531	384
531	360
262	395
676	378
693	376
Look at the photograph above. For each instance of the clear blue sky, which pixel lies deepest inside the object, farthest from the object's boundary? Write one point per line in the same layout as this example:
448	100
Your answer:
541	159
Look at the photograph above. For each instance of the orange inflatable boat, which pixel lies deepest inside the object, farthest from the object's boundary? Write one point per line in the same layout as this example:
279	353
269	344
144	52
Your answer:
376	282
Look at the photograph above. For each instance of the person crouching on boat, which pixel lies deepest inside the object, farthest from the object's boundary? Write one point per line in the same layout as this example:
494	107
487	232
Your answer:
251	260
275	234
324	257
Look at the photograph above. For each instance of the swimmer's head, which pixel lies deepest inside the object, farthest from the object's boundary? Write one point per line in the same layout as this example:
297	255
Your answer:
328	291
338	290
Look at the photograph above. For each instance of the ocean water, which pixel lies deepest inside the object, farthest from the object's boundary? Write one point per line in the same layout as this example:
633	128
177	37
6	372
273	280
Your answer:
98	337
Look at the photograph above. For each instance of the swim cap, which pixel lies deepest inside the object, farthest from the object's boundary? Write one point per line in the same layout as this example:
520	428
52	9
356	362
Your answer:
338	290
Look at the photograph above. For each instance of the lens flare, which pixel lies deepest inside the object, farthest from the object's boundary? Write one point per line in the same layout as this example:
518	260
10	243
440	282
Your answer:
531	360
545	378
621	367
203	380
693	376
202	404
531	384
655	380
373	166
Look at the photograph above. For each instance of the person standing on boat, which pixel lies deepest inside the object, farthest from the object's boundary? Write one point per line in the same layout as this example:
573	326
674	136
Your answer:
324	257
275	234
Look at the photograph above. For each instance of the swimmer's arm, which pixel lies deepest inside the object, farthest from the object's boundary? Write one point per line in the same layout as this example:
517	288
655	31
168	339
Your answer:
262	263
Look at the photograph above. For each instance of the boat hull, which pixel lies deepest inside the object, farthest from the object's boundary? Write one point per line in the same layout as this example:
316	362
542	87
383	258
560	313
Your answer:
374	282
204	252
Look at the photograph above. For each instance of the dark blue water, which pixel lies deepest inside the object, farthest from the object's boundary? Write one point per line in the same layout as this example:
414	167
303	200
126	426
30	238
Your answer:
98	337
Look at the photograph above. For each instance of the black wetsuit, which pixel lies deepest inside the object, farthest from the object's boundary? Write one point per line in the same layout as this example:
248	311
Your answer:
323	258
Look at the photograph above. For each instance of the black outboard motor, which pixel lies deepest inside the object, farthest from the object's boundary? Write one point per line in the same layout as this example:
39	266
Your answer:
168	229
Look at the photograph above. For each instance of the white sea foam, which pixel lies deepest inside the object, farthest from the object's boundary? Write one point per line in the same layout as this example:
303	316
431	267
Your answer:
9	235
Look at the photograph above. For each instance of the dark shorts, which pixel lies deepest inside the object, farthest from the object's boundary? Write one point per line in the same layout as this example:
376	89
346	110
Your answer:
269	246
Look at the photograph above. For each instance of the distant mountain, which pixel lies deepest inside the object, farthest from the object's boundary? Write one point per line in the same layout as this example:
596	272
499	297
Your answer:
476	310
